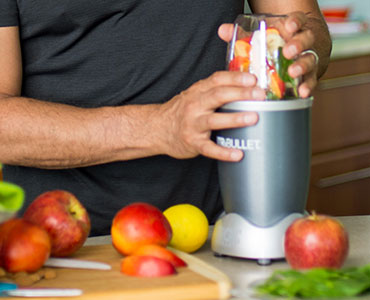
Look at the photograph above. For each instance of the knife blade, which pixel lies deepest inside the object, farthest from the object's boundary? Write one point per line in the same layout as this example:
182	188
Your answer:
13	290
42	292
76	264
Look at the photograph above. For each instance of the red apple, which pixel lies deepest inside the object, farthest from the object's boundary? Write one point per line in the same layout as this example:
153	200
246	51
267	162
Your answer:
139	224
24	246
160	252
316	241
63	217
146	266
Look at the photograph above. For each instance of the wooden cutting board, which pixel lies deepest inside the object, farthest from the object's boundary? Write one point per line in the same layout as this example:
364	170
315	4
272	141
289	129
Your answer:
196	281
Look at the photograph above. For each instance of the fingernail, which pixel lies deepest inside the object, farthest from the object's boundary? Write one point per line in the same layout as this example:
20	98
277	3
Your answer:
235	155
304	92
258	94
296	70
292	50
247	79
292	26
250	118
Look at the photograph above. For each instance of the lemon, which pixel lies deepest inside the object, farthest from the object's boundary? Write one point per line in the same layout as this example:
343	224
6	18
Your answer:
189	227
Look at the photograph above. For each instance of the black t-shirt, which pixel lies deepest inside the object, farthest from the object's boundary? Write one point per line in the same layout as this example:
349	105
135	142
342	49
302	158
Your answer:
108	53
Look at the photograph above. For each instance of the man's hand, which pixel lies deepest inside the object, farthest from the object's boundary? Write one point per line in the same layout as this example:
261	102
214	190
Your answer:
298	39
191	116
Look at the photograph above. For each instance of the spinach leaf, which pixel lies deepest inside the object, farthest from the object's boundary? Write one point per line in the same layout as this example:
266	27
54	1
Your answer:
282	69
317	283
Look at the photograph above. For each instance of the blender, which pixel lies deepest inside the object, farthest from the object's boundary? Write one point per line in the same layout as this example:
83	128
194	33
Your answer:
267	190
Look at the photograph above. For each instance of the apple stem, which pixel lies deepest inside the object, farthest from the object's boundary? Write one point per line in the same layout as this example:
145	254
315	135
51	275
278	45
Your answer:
313	215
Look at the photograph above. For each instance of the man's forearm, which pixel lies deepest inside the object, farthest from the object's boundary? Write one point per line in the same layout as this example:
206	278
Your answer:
49	135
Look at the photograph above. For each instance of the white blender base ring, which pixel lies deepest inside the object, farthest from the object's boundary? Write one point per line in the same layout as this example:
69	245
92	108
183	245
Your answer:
235	236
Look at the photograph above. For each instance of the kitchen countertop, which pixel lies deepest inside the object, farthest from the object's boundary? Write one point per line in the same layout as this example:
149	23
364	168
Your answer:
351	45
243	272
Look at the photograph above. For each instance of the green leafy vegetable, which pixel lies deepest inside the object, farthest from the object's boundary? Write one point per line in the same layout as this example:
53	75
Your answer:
282	69
318	283
11	197
271	96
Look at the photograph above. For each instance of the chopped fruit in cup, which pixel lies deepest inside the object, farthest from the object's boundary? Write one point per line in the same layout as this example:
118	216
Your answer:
239	63
272	30
276	84
242	48
271	71
274	42
247	39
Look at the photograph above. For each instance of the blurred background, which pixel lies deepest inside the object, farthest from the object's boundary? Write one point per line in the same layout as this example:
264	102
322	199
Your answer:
340	169
360	9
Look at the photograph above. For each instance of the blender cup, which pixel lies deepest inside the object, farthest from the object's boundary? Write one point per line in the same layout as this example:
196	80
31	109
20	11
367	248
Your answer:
256	47
267	190
272	180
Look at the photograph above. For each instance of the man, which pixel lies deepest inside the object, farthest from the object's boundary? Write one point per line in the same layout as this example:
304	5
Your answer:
115	101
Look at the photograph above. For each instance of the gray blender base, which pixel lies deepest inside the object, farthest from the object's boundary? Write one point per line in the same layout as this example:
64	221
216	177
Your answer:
235	236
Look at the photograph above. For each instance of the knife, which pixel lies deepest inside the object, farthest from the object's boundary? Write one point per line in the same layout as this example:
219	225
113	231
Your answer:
12	290
76	264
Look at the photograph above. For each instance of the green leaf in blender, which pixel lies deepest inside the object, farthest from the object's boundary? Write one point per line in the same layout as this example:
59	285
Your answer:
271	96
11	197
282	69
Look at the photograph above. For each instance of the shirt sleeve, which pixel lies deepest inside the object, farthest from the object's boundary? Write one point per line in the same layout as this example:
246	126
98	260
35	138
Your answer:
8	13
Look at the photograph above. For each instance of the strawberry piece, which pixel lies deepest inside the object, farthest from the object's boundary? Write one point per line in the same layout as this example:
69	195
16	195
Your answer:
239	64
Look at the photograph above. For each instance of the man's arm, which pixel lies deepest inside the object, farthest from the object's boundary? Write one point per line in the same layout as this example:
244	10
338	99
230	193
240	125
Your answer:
51	135
312	34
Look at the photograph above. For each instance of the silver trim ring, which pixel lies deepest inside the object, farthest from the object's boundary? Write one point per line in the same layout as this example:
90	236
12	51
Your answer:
282	105
310	51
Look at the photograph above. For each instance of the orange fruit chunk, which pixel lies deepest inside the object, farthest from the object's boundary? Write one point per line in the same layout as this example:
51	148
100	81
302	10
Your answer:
277	85
242	48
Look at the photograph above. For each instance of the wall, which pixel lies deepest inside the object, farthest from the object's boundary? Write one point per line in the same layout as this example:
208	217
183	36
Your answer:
360	8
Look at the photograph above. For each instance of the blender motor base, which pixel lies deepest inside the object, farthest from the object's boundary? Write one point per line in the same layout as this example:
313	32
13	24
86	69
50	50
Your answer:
235	236
264	262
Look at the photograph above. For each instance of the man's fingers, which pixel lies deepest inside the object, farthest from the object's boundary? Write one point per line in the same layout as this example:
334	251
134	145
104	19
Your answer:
291	25
212	150
219	121
301	41
306	88
226	78
303	65
295	21
225	32
219	96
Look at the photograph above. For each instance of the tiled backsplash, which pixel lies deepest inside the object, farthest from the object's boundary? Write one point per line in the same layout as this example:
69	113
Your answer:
360	9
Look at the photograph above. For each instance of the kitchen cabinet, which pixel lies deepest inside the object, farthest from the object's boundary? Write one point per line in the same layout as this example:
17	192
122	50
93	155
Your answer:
340	168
